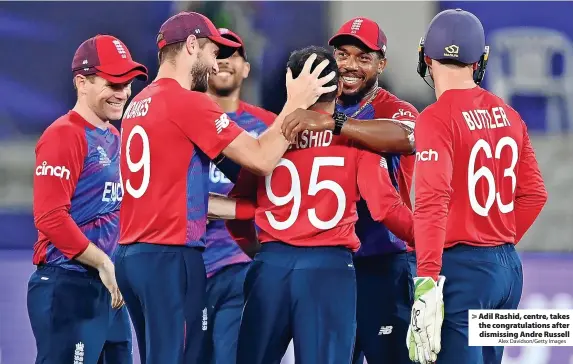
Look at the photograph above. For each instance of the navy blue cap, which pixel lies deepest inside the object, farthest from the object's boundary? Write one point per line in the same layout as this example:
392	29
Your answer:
455	34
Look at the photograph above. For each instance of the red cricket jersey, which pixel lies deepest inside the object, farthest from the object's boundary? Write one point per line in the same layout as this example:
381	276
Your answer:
477	181
169	134
310	198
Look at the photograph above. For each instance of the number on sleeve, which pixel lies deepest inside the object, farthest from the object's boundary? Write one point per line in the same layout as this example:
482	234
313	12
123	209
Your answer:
144	162
492	195
314	187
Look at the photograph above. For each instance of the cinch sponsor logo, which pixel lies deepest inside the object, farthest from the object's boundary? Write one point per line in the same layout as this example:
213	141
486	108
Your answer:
57	171
427	155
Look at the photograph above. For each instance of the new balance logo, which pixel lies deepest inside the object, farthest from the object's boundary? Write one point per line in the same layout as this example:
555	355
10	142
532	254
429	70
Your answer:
427	155
79	353
383	163
222	123
57	171
103	158
385	330
120	48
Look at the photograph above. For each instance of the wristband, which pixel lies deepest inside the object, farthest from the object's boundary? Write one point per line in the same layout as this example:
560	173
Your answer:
339	120
244	210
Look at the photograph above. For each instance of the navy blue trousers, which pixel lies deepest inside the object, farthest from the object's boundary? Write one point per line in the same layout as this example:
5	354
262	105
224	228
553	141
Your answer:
225	303
72	318
476	278
164	290
385	290
304	294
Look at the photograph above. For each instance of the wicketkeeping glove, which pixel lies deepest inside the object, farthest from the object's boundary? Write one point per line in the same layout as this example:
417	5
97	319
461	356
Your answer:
424	333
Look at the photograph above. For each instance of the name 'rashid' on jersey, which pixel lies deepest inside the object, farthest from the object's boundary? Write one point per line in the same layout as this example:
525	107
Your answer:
311	139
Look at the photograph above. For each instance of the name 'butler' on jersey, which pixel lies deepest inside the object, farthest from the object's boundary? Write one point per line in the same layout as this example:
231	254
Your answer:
165	163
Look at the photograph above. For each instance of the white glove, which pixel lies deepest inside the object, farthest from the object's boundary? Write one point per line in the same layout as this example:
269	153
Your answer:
424	333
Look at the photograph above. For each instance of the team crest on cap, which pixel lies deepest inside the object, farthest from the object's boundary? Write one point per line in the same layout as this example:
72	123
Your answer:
356	24
451	51
119	48
160	37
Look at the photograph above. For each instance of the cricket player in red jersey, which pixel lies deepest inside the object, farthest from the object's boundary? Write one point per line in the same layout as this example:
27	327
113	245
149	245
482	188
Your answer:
302	285
375	118
478	190
74	303
170	132
226	264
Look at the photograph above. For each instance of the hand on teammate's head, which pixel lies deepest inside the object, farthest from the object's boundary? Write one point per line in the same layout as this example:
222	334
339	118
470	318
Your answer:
307	81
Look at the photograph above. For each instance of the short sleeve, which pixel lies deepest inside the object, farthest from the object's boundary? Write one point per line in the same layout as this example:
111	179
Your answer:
204	123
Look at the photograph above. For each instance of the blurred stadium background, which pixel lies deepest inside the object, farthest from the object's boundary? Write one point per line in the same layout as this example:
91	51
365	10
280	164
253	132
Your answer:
531	67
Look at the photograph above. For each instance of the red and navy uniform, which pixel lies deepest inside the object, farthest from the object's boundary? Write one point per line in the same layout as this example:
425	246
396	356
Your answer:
306	211
77	191
478	190
384	270
77	194
222	250
225	262
169	134
374	237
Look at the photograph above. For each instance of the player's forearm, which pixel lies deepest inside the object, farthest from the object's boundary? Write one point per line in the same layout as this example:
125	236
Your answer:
527	209
379	135
94	257
272	144
430	218
399	221
226	208
62	231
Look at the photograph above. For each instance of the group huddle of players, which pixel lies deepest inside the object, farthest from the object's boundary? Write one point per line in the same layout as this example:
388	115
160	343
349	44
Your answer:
223	232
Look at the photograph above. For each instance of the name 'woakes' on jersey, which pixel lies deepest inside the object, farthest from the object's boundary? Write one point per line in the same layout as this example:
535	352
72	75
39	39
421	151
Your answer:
77	191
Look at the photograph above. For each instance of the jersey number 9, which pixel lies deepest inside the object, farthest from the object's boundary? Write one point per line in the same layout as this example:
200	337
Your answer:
142	163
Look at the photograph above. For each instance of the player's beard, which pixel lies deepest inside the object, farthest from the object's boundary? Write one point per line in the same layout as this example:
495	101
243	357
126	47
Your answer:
357	97
200	73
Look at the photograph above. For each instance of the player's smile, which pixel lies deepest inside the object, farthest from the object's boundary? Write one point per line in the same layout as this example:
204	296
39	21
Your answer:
352	82
225	73
116	104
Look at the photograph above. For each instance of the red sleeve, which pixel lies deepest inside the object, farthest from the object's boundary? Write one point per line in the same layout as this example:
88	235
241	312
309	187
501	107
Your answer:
405	174
243	231
58	167
433	189
530	192
204	123
384	203
404	113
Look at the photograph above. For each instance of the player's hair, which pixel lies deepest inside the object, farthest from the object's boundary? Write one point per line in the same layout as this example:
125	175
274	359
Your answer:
90	78
170	51
296	63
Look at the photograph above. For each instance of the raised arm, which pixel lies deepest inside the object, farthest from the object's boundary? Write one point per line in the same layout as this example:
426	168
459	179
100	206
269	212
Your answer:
261	155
